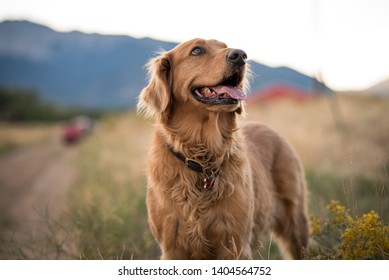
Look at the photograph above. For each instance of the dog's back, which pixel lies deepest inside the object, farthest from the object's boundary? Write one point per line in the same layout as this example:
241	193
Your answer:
279	187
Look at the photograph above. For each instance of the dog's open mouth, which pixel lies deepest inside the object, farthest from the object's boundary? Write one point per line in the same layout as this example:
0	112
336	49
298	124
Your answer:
225	93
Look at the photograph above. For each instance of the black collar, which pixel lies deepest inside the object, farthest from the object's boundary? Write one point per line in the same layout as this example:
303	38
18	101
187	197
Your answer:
209	173
191	163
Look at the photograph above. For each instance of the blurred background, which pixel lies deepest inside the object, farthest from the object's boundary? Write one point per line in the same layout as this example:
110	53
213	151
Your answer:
72	148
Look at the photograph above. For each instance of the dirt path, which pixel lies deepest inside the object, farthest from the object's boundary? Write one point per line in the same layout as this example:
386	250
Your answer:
33	185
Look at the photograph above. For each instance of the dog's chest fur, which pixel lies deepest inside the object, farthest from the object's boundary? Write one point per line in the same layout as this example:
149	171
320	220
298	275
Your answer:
207	216
203	221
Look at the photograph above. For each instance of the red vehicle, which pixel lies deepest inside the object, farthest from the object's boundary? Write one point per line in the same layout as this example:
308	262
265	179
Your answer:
75	130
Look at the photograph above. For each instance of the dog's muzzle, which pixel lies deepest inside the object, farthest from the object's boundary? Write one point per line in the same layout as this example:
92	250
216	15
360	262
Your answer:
228	91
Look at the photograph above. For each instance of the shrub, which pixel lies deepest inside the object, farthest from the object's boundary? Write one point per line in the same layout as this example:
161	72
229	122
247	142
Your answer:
343	236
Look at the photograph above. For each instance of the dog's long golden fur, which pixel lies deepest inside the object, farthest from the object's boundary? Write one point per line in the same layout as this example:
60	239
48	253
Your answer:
256	183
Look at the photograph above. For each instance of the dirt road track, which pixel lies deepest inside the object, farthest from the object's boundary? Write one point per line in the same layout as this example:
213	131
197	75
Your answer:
34	182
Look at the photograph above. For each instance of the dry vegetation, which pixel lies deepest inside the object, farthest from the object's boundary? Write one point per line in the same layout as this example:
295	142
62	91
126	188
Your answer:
345	135
343	142
108	203
16	135
345	156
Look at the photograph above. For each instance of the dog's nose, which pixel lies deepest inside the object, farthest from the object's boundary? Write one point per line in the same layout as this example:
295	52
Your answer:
237	57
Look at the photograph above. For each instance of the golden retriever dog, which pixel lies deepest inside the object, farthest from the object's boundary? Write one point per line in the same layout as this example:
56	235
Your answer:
216	187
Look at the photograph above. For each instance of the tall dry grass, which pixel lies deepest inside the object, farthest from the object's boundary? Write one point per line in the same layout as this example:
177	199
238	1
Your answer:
107	205
17	135
343	142
345	157
353	140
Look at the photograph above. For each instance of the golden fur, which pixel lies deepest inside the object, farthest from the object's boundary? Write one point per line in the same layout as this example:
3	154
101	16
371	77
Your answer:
259	185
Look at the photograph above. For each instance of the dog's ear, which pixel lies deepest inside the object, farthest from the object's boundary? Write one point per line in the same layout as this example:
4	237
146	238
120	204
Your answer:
155	98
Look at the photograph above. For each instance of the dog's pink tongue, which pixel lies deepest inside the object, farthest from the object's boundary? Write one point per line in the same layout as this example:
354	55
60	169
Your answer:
233	92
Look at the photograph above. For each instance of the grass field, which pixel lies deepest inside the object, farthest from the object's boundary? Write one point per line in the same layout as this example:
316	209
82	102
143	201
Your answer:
17	135
345	156
343	142
108	203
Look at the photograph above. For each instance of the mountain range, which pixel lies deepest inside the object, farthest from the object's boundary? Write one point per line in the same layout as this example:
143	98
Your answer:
381	89
98	71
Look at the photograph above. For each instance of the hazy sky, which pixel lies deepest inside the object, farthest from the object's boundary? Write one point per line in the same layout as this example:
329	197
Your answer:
348	40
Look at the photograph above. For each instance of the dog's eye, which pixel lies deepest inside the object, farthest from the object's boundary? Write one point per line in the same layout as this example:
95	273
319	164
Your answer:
197	51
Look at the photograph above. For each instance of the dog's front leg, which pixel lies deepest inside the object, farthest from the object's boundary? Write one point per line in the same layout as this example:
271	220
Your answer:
173	254
233	249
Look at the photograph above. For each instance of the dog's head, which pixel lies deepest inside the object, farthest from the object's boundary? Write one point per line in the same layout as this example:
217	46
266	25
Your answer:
203	73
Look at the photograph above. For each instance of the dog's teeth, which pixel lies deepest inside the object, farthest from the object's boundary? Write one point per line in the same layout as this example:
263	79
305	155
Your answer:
207	92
